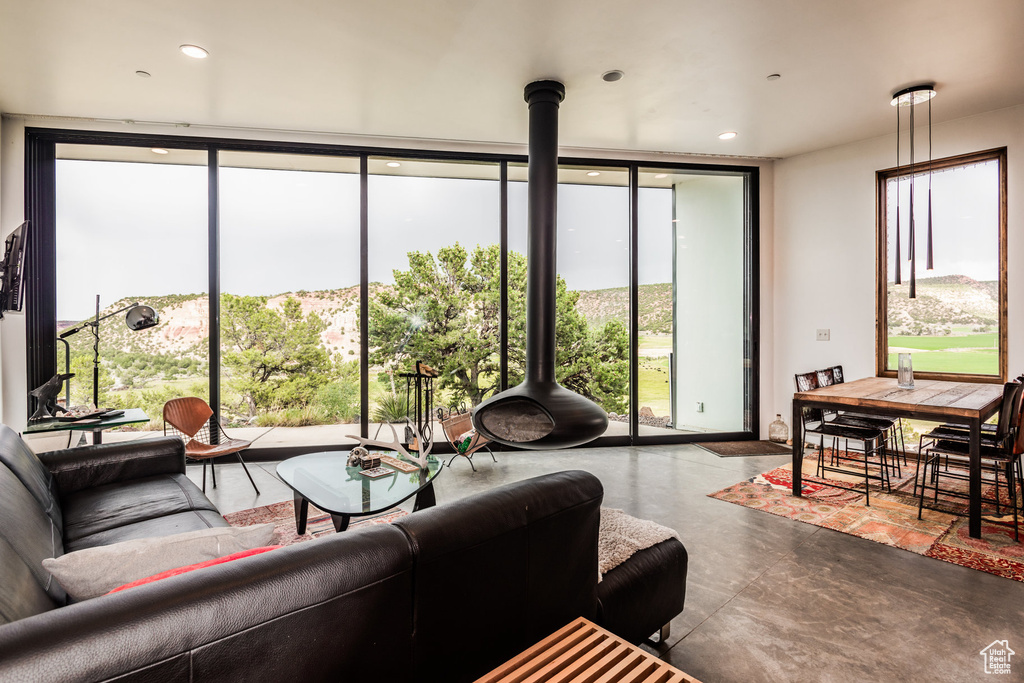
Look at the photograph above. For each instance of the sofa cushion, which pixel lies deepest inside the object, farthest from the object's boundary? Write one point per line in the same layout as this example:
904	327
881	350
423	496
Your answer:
19	459
194	520
91	572
30	532
22	595
95	510
178	571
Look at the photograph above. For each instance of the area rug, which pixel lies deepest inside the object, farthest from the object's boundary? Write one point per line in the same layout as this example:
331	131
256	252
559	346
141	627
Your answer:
318	522
891	519
732	449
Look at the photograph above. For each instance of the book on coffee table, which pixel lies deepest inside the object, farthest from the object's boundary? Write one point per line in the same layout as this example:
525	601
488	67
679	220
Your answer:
376	472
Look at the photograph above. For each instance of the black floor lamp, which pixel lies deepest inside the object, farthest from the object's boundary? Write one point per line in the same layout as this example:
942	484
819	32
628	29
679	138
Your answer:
139	317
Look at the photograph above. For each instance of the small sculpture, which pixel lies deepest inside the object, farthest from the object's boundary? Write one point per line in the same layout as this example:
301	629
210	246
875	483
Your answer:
424	457
46	396
355	457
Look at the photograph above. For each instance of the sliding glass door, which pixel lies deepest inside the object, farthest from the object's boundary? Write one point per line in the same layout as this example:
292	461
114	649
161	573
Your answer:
695	340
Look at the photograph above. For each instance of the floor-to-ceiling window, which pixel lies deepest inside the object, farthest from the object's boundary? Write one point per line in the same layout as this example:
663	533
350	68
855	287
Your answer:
289	290
434	283
131	227
287	237
592	297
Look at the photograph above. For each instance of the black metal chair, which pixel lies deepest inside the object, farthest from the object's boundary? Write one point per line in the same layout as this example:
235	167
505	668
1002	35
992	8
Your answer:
834	375
1000	454
873	443
961	433
986	428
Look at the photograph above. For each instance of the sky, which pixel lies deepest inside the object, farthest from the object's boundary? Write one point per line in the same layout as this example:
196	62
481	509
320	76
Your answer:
965	222
132	230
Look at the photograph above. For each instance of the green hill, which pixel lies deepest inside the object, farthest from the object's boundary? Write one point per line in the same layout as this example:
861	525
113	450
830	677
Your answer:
655	306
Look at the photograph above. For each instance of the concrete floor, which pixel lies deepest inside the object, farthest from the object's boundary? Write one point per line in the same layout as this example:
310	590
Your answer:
768	598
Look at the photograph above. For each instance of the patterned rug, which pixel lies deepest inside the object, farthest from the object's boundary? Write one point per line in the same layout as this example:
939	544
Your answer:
891	518
318	523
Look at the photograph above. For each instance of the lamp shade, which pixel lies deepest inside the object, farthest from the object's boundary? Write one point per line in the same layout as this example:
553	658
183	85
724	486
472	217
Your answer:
141	318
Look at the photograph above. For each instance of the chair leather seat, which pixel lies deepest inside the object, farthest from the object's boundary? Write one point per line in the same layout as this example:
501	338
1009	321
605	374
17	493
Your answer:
196	450
105	508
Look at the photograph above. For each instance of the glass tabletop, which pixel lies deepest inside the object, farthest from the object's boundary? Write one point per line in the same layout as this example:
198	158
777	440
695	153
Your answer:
130	416
328	483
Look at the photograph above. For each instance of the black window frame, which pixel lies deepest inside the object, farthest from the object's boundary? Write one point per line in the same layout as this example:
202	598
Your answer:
40	209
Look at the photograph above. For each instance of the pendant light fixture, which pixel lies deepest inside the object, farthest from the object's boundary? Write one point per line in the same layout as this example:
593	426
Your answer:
909	98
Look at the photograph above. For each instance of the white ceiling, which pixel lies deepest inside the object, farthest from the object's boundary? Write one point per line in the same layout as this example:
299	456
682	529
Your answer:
455	69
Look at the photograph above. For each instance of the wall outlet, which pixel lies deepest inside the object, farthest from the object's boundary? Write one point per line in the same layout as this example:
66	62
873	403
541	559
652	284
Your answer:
823	335
700	406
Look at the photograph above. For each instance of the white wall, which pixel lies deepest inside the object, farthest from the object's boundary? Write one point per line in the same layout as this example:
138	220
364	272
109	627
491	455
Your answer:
12	175
709	303
825	248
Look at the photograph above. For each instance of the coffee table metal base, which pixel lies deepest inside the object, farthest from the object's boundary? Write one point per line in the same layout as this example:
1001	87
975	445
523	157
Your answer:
424	499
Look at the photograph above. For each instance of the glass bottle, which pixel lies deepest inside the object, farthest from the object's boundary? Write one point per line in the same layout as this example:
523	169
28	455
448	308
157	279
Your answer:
778	431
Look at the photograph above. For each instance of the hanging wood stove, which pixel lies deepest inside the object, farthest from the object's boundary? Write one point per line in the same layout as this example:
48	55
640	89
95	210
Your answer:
539	413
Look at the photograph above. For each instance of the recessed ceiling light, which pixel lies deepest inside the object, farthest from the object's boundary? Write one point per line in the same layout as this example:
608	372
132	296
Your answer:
613	75
142	74
393	164
727	135
158	150
594	174
774	77
194	51
661	176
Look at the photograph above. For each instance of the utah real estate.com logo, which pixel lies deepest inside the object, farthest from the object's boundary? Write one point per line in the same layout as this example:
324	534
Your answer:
997	657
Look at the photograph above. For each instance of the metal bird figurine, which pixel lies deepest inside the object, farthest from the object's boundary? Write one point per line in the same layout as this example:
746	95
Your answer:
47	394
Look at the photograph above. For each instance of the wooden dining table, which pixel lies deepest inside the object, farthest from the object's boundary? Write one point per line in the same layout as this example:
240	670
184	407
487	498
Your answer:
967	403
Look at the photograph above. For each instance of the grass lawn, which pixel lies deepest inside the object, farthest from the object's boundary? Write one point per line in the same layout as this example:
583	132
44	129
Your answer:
655	341
969	341
980	361
653	387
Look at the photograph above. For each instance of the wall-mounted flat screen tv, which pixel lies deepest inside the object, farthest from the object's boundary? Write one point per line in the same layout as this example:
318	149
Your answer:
12	271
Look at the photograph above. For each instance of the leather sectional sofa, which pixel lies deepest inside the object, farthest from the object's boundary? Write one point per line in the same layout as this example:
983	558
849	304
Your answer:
444	594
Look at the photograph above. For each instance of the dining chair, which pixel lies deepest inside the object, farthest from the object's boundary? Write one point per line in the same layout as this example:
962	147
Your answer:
986	427
872	441
191	419
1000	454
835	375
1010	407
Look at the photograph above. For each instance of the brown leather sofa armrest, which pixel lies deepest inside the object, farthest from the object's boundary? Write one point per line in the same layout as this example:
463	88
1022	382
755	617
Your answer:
86	467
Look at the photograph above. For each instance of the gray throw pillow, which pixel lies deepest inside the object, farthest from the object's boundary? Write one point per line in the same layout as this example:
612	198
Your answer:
91	572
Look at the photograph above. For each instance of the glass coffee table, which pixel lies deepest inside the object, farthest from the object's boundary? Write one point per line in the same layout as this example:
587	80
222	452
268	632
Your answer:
324	480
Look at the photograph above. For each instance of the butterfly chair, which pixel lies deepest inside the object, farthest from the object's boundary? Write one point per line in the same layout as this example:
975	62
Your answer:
456	428
190	418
